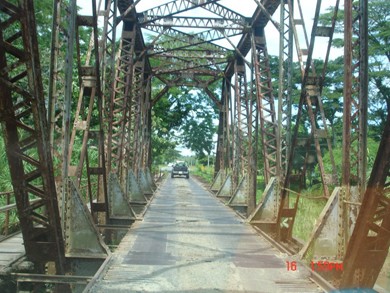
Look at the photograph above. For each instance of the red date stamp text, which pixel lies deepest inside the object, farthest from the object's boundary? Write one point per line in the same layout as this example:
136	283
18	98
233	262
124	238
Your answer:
317	266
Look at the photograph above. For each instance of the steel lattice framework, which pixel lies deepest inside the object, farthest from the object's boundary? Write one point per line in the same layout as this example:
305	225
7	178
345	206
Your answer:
97	144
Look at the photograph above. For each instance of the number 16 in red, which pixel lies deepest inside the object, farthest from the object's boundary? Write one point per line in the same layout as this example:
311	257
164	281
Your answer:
291	265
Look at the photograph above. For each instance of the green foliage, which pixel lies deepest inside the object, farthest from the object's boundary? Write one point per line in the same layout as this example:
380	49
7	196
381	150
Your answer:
198	132
204	172
308	212
372	148
378	57
182	117
5	178
163	150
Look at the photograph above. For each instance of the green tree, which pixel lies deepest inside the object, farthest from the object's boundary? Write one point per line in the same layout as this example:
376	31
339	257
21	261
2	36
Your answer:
185	115
182	117
379	61
198	132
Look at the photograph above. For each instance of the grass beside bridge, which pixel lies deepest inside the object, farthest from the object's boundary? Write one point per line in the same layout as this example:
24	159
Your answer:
311	202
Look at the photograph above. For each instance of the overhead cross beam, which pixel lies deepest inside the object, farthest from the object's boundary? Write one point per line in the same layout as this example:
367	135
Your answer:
189	54
171	8
176	7
207	36
193	22
184	40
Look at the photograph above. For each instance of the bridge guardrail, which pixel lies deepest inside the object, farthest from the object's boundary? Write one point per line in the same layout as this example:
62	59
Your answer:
5	215
9	220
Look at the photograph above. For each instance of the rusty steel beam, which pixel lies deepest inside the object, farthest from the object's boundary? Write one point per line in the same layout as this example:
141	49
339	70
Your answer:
202	53
213	98
260	20
188	67
207	36
54	72
26	135
312	88
186	42
286	46
245	123
160	95
176	7
240	92
266	105
146	144
198	22
220	151
310	100
222	154
60	93
170	9
354	158
75	217
369	244
184	80
92	139
138	110
121	106
109	63
355	101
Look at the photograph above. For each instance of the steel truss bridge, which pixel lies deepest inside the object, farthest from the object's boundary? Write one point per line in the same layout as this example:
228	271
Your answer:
103	149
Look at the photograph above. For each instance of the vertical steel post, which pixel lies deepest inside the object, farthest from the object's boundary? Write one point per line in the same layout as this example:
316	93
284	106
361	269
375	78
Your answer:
265	105
245	142
369	244
346	170
90	98
120	107
354	162
108	56
222	128
53	75
284	89
363	94
138	99
26	135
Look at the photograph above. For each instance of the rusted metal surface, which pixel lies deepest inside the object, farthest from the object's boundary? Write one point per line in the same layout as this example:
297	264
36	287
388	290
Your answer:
286	46
26	135
266	106
355	96
89	110
370	241
223	163
109	80
311	91
355	110
115	84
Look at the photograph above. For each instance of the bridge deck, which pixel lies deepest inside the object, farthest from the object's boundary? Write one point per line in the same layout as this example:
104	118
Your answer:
11	249
191	242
